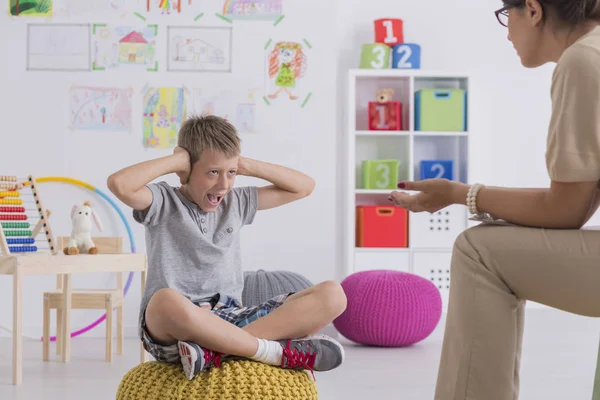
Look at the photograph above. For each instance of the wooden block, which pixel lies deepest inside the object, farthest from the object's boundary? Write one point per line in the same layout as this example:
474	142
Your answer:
389	31
406	56
375	56
386	116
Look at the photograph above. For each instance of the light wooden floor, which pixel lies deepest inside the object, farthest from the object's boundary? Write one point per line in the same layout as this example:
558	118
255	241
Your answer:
558	364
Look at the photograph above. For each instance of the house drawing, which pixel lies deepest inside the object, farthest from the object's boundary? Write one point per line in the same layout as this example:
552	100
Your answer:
133	49
198	52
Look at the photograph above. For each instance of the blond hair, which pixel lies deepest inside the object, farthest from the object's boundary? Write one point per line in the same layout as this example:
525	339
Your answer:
208	132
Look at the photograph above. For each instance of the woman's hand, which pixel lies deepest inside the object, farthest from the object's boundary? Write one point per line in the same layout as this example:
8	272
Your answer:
434	195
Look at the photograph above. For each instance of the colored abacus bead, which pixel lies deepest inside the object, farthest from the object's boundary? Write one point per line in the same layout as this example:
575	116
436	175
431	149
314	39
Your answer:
15	225
12	193
22	249
20	241
20	233
12	209
7	178
11	201
13	217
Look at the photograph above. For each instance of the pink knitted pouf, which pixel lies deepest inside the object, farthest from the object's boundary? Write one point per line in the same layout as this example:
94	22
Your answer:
389	308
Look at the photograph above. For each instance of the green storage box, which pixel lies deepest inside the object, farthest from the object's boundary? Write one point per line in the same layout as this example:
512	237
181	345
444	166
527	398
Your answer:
380	174
441	110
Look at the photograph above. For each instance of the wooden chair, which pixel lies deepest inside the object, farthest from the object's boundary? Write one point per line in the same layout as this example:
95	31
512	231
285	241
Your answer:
88	299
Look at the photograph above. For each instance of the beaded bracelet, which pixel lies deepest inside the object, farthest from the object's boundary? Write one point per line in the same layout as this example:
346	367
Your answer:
472	199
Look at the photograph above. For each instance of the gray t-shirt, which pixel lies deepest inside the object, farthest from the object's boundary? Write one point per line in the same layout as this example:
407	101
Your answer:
194	252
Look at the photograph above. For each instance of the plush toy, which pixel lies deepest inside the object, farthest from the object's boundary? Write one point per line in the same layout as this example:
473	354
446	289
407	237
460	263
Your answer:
384	95
81	238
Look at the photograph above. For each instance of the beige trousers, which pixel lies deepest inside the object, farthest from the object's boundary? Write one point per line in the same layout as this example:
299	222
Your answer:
495	269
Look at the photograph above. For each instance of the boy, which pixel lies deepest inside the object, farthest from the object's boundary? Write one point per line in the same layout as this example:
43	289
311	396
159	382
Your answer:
191	310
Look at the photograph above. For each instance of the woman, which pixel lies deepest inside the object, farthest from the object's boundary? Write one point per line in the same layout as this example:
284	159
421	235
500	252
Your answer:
543	255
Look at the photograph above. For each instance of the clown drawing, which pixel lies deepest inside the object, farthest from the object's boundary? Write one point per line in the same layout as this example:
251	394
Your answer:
287	63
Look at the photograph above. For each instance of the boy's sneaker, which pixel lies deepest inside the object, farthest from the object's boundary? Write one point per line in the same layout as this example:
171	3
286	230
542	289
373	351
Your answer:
195	359
315	353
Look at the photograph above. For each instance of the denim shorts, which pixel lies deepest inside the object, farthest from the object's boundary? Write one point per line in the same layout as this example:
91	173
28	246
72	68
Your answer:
222	306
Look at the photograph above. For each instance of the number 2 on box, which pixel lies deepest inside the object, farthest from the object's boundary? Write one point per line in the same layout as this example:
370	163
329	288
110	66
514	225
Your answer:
440	170
385	176
406	53
389	29
379	54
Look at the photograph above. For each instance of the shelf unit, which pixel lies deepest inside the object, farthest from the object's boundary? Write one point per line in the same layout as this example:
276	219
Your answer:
430	236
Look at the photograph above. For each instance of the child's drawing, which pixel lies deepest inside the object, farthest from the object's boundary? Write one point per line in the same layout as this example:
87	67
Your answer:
167	7
199	49
219	103
253	9
53	47
286	66
93	7
30	8
124	47
246	118
101	109
165	109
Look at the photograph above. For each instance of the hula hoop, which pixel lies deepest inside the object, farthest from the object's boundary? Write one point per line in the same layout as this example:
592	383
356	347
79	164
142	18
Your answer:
118	210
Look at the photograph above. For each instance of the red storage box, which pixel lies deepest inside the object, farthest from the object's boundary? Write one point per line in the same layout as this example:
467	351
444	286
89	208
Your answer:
381	226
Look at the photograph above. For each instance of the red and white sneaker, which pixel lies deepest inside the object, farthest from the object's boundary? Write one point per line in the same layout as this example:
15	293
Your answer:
314	353
195	359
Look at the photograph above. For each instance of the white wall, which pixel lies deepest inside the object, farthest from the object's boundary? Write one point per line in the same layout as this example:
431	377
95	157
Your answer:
299	237
510	111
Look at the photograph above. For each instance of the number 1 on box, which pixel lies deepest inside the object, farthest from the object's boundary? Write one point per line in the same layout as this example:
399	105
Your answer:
382	117
389	29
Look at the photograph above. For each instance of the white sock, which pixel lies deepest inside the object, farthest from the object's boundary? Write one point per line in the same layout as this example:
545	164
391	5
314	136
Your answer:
269	352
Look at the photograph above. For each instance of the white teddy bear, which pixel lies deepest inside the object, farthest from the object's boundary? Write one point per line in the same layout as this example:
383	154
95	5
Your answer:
81	238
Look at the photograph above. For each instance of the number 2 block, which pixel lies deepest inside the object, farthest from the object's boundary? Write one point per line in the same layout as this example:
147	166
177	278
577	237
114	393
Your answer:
406	56
380	174
375	56
389	31
385	116
437	169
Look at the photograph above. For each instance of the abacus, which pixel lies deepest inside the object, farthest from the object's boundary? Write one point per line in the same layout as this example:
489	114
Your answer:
16	235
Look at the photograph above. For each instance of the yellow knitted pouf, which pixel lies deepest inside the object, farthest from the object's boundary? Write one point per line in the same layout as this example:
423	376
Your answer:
233	380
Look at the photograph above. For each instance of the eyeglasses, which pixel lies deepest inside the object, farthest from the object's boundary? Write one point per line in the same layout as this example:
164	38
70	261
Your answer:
502	15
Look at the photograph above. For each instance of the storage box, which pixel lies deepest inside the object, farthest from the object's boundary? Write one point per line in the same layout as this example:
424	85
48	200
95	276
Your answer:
381	226
385	116
380	174
441	110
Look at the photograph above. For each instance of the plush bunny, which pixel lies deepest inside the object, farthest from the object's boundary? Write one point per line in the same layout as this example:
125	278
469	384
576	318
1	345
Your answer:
81	238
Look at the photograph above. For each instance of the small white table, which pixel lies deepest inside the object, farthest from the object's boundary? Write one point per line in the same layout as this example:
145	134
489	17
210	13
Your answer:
20	266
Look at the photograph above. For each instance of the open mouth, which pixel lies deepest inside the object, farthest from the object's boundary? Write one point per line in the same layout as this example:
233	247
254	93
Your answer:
214	199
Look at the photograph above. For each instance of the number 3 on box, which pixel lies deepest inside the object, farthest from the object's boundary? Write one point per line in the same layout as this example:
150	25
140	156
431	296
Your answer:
379	61
384	169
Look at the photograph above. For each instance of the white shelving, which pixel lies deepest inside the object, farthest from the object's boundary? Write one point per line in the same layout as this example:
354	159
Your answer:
430	236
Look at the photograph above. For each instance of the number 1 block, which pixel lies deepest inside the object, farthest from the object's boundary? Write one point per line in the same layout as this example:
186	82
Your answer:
406	56
389	31
385	116
375	56
437	169
380	174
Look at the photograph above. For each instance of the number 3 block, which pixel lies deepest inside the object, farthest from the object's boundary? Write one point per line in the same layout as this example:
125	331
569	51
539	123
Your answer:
380	174
385	116
389	31
406	56
436	169
375	56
